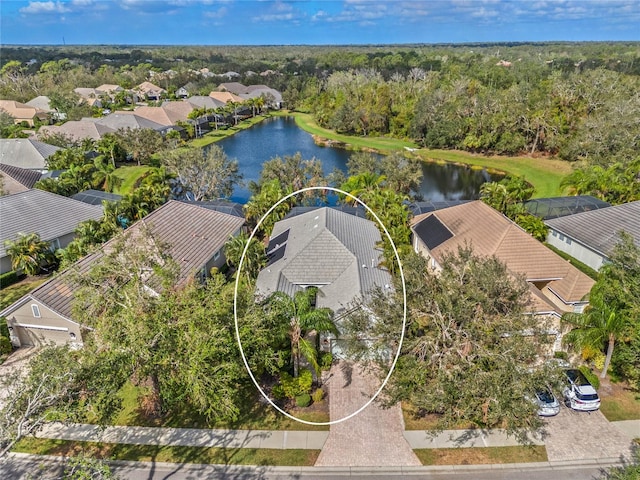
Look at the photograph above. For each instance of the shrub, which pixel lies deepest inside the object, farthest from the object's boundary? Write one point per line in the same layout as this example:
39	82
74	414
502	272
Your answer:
292	387
4	328
317	395
5	346
303	400
561	355
8	278
590	376
325	361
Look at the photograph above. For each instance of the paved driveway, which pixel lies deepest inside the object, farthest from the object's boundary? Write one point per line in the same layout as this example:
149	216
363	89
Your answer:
16	361
582	435
374	437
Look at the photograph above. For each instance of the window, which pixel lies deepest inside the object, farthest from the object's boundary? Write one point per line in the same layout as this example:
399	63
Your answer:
54	244
554	233
568	241
36	311
561	237
216	255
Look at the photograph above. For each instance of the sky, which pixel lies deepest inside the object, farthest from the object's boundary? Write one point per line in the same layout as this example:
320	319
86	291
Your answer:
326	22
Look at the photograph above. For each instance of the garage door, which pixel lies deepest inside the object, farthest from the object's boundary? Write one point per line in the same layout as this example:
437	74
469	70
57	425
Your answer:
34	336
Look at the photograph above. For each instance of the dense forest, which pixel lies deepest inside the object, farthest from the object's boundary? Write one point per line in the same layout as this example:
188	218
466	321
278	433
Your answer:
577	101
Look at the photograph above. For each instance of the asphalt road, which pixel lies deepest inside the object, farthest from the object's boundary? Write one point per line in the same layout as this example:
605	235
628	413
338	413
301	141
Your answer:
49	468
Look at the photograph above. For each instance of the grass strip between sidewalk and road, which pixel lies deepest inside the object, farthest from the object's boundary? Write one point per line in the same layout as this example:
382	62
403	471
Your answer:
157	453
481	455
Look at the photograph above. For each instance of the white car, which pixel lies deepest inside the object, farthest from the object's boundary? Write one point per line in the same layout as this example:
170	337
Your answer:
579	393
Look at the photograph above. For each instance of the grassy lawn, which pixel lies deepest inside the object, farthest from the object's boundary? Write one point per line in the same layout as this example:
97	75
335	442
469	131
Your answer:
217	135
254	415
543	173
129	176
413	420
382	144
481	455
12	293
621	404
147	453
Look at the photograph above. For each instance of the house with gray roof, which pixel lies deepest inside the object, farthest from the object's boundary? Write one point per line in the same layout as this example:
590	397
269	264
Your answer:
195	239
16	179
51	216
590	236
78	130
325	248
26	153
118	120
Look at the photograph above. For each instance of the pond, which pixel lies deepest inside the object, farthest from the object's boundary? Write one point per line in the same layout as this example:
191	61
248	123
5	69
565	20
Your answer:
280	136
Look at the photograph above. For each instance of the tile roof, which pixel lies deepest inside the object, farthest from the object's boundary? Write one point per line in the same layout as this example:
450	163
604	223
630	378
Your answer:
41	102
490	233
598	229
45	213
226	97
122	119
20	111
168	114
233	87
79	129
25	177
328	248
26	153
193	234
148	87
200	101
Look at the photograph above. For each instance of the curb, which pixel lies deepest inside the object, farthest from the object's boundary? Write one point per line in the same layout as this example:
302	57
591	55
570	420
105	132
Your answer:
304	471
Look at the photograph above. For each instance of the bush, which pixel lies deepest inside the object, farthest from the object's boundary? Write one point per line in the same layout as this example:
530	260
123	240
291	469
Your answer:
317	395
561	355
590	376
293	387
5	346
8	278
303	400
325	361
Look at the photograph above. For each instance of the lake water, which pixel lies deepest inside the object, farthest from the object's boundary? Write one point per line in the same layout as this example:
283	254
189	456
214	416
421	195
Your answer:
280	136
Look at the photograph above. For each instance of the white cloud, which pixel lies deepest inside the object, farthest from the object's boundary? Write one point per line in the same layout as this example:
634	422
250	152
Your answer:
219	13
45	7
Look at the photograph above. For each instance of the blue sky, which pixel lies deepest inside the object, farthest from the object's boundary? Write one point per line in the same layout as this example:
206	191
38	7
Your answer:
249	22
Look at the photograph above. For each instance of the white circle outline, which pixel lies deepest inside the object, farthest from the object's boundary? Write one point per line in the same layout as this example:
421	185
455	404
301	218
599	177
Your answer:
235	309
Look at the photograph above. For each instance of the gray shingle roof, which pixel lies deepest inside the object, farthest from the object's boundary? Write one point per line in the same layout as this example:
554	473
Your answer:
599	229
193	234
25	153
24	176
326	247
48	214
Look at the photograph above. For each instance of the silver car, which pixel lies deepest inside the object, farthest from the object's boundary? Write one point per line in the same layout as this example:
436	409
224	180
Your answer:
547	403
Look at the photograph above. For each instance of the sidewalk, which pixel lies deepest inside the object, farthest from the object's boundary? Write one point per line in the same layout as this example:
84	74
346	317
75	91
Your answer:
187	437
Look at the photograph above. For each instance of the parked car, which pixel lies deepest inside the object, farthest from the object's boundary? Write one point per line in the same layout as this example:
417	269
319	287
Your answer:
579	394
547	403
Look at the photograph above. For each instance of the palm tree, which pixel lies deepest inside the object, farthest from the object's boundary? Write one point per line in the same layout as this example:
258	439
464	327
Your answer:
599	324
358	185
29	253
303	319
254	259
105	176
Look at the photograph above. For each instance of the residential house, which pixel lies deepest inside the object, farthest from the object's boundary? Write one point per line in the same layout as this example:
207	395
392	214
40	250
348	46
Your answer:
555	285
109	89
21	112
590	236
273	98
169	114
26	153
78	130
124	120
43	103
51	216
150	91
328	249
195	237
16	179
226	97
90	95
201	101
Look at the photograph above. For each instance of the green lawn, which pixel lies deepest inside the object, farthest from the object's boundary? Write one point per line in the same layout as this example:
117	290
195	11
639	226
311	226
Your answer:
14	292
624	404
217	135
254	415
148	453
543	173
481	455
130	174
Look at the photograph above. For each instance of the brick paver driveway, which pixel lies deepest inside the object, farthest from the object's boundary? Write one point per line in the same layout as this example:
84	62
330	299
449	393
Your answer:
374	437
581	435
